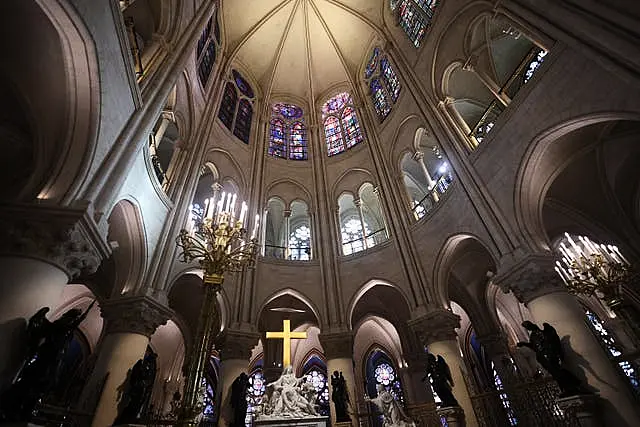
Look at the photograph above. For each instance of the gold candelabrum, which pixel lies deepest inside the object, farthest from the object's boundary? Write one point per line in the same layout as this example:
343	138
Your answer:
590	268
217	240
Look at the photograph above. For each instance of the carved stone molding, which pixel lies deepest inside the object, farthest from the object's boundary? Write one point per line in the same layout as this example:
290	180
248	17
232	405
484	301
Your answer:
137	315
495	344
65	237
436	325
237	344
337	345
530	277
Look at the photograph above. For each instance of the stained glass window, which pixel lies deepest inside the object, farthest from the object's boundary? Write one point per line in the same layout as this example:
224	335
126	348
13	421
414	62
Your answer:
534	65
242	84
300	243
352	237
298	143
288	137
612	348
372	64
255	391
242	128
352	134
333	134
319	381
504	399
414	17
206	51
228	105
390	79
335	104
379	99
386	375
277	144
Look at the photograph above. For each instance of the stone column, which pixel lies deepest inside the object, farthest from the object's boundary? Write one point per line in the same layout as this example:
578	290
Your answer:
41	249
358	203
436	330
235	353
287	231
338	349
535	283
418	156
130	322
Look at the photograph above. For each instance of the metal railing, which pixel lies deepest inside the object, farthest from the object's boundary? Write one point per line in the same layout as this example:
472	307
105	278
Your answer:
292	253
428	202
372	239
155	160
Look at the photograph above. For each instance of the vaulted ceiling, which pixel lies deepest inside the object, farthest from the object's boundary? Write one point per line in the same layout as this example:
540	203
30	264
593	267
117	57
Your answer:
301	47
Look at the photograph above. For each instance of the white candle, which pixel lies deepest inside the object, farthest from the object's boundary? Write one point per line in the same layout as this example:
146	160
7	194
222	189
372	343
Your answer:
221	203
228	202
558	270
615	248
255	226
210	208
206	208
233	206
243	212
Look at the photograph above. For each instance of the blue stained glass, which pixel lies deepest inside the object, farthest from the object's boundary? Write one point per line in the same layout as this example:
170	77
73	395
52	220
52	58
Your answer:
379	99
372	64
242	128
228	105
413	22
428	6
335	104
390	79
277	145
298	144
333	134
242	84
288	111
352	132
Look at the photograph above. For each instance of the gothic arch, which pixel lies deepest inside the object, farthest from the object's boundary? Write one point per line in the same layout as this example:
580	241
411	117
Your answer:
350	181
295	294
288	190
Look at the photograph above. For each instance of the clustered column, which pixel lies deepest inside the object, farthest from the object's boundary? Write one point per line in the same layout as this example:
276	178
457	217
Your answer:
338	349
535	283
129	324
235	351
436	331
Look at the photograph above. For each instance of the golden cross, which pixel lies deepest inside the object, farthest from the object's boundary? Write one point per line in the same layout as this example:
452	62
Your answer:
287	336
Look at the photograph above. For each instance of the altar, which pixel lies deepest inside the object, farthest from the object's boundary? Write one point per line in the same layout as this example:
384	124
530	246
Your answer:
297	422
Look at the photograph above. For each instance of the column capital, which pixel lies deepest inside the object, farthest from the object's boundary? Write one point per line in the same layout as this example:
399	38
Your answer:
529	277
216	186
436	325
418	155
495	343
337	345
65	237
140	315
237	344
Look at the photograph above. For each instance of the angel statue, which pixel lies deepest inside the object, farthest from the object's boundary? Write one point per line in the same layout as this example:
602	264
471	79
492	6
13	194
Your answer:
441	379
550	355
392	412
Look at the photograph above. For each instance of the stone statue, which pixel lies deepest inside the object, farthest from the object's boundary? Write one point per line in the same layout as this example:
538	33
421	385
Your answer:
287	398
138	391
47	343
239	399
441	379
340	397
392	412
550	355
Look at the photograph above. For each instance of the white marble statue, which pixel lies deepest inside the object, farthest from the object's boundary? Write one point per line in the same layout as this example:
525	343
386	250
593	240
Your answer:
288	397
391	410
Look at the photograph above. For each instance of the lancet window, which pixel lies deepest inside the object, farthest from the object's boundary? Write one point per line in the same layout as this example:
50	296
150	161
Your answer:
502	61
414	17
341	126
380	370
255	392
236	107
207	49
288	134
362	225
315	372
287	231
383	83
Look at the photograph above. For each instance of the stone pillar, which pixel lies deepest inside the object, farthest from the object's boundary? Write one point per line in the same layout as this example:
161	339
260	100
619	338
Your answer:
338	349
418	156
235	353
287	231
436	330
358	203
41	249
535	283
129	324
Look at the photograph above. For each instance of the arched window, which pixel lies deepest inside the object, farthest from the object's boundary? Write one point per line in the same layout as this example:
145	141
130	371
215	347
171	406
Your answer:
378	71
341	127
288	231
236	107
608	341
426	174
503	61
255	391
207	49
380	370
315	372
210	381
162	144
414	16
287	137
361	223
